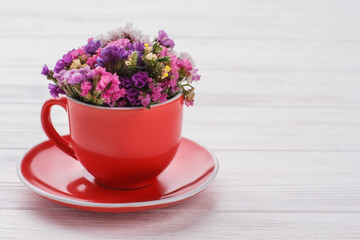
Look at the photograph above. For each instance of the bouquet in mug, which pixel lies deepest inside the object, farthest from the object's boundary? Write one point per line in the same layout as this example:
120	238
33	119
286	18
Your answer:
124	69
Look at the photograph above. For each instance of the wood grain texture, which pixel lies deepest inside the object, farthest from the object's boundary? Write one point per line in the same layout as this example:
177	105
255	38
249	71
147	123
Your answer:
278	103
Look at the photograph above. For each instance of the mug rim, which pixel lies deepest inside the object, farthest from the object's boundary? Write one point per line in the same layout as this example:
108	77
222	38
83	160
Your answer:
177	96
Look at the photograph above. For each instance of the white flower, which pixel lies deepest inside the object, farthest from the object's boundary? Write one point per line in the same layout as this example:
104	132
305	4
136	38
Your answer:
151	56
134	34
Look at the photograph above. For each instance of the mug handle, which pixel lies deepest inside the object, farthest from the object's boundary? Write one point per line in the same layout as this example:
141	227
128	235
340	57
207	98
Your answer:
49	129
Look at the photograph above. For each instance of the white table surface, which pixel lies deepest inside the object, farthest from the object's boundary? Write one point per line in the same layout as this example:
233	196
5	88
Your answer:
278	103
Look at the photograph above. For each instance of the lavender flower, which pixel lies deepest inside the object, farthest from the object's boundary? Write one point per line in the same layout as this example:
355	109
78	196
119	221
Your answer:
45	71
140	79
92	46
139	47
132	95
164	40
126	82
77	78
55	90
111	54
64	62
74	76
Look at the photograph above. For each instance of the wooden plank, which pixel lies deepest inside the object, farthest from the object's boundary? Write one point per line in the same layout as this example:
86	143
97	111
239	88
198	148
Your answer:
219	88
283	195
270	20
245	54
248	181
240	128
173	223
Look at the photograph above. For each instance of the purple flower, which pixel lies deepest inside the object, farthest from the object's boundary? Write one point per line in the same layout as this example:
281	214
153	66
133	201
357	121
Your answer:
132	95
110	55
77	78
55	90
126	82
92	46
60	65
74	76
129	46
139	47
140	79
164	40
64	62
67	58
60	76
45	70
90	74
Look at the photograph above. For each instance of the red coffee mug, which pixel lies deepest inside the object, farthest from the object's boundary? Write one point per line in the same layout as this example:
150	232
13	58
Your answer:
122	147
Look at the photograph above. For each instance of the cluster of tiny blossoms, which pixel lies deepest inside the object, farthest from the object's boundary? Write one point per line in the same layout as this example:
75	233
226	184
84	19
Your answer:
124	69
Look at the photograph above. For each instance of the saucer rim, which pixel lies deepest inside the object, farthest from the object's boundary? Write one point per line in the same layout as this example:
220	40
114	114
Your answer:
74	202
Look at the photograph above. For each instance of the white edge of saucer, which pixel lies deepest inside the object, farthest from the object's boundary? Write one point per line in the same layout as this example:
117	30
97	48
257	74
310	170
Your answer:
122	205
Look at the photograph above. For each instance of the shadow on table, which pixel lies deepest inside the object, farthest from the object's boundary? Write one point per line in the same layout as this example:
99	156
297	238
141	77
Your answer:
180	216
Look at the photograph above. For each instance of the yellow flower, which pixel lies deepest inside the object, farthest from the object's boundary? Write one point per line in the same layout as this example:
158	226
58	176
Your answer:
146	45
167	68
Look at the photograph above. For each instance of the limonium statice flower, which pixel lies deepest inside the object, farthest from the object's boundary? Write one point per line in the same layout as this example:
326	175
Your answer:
45	70
55	90
64	62
92	46
127	32
85	88
164	40
123	69
140	79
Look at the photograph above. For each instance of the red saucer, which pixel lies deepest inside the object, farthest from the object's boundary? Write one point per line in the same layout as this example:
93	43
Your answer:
56	176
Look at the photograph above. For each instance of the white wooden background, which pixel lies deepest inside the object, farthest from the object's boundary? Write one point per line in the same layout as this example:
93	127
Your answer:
278	103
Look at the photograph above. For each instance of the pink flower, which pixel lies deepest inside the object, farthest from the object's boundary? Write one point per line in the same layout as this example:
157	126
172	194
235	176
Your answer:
98	52
109	85
105	80
185	64
113	94
155	93
75	53
173	85
91	61
174	67
164	51
145	100
163	97
99	71
189	103
120	42
85	88
195	76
